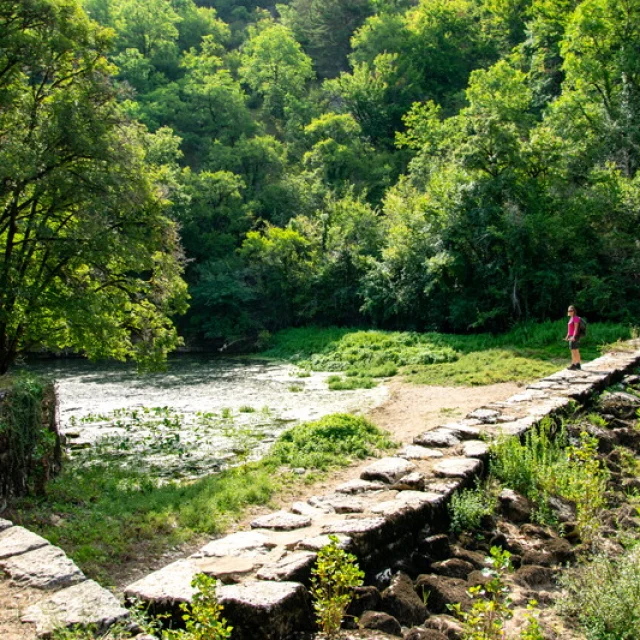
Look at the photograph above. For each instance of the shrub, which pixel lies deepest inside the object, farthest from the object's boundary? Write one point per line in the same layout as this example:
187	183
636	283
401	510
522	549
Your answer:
203	618
334	578
469	506
604	597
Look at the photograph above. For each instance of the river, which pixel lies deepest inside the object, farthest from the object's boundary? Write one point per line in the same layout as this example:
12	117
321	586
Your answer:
195	418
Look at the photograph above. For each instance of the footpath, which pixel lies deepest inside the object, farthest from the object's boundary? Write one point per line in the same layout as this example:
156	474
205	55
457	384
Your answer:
265	571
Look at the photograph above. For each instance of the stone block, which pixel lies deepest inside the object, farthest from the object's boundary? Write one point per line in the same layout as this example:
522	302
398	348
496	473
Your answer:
243	543
82	604
416	452
387	470
458	467
360	486
281	521
17	540
294	567
440	438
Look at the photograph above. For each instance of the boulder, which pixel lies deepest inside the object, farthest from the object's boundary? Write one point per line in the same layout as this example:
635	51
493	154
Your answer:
360	486
295	567
364	599
439	438
514	506
447	625
84	604
381	622
400	600
265	610
564	510
533	576
47	567
453	568
243	543
440	591
388	470
416	452
5	524
424	634
437	547
620	404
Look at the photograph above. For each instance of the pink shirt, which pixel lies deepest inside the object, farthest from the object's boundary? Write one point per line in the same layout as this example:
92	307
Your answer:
573	328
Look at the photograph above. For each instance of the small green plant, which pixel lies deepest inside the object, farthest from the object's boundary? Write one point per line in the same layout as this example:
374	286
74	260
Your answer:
338	383
245	408
491	606
296	388
203	618
226	413
597	420
469	506
334	578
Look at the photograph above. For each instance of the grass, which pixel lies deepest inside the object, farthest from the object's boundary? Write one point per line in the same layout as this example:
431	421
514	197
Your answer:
105	516
528	351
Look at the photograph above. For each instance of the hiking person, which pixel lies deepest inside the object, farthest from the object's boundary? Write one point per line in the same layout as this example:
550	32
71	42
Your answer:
573	337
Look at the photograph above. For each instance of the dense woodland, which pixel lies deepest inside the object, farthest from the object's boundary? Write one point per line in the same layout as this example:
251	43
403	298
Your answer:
450	165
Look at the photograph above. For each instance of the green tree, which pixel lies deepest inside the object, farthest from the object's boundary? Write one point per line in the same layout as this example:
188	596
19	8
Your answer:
88	258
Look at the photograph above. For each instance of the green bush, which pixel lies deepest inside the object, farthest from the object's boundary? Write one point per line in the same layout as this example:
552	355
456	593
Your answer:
334	578
604	596
469	506
338	383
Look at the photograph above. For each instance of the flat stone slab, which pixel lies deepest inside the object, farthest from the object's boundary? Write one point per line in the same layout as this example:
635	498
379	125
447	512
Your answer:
445	488
356	526
488	416
168	585
467	430
295	567
387	470
17	540
47	567
5	524
317	542
281	521
437	438
407	501
305	509
266	610
416	452
83	604
341	503
230	569
243	543
457	467
415	480
360	486
475	449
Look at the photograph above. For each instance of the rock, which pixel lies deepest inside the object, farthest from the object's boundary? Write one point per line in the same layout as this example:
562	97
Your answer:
305	509
401	601
281	521
360	486
243	543
446	487
317	542
5	524
478	577
441	591
535	531
407	502
388	470
514	506
83	604
364	599
466	430
294	567
381	622
167	586
620	404
357	527
628	437
564	509
416	452
265	610
424	634
17	540
453	568
340	503
439	438
533	576
230	569
475	449
47	567
457	467
556	551
487	416
436	547
447	625
475	558
415	481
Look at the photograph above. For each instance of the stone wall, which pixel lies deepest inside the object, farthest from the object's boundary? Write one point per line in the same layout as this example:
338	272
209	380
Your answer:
266	571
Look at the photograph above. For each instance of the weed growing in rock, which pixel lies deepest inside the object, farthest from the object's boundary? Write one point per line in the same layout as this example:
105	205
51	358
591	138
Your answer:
203	617
544	466
469	507
603	596
334	578
491	606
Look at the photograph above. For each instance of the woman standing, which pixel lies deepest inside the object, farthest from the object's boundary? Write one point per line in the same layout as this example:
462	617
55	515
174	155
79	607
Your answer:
573	337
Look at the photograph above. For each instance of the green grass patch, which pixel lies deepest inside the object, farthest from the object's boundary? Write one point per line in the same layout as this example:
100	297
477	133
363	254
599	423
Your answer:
104	516
338	383
528	351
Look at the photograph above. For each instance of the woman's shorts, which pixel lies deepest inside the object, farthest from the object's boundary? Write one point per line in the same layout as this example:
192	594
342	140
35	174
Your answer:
574	344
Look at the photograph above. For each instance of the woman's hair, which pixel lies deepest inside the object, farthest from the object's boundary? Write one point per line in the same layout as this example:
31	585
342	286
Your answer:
571	308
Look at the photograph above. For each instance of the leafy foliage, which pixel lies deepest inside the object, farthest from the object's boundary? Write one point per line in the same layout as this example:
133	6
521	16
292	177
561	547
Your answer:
469	507
333	580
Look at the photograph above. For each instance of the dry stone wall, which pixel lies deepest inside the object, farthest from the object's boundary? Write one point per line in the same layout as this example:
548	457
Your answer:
265	572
